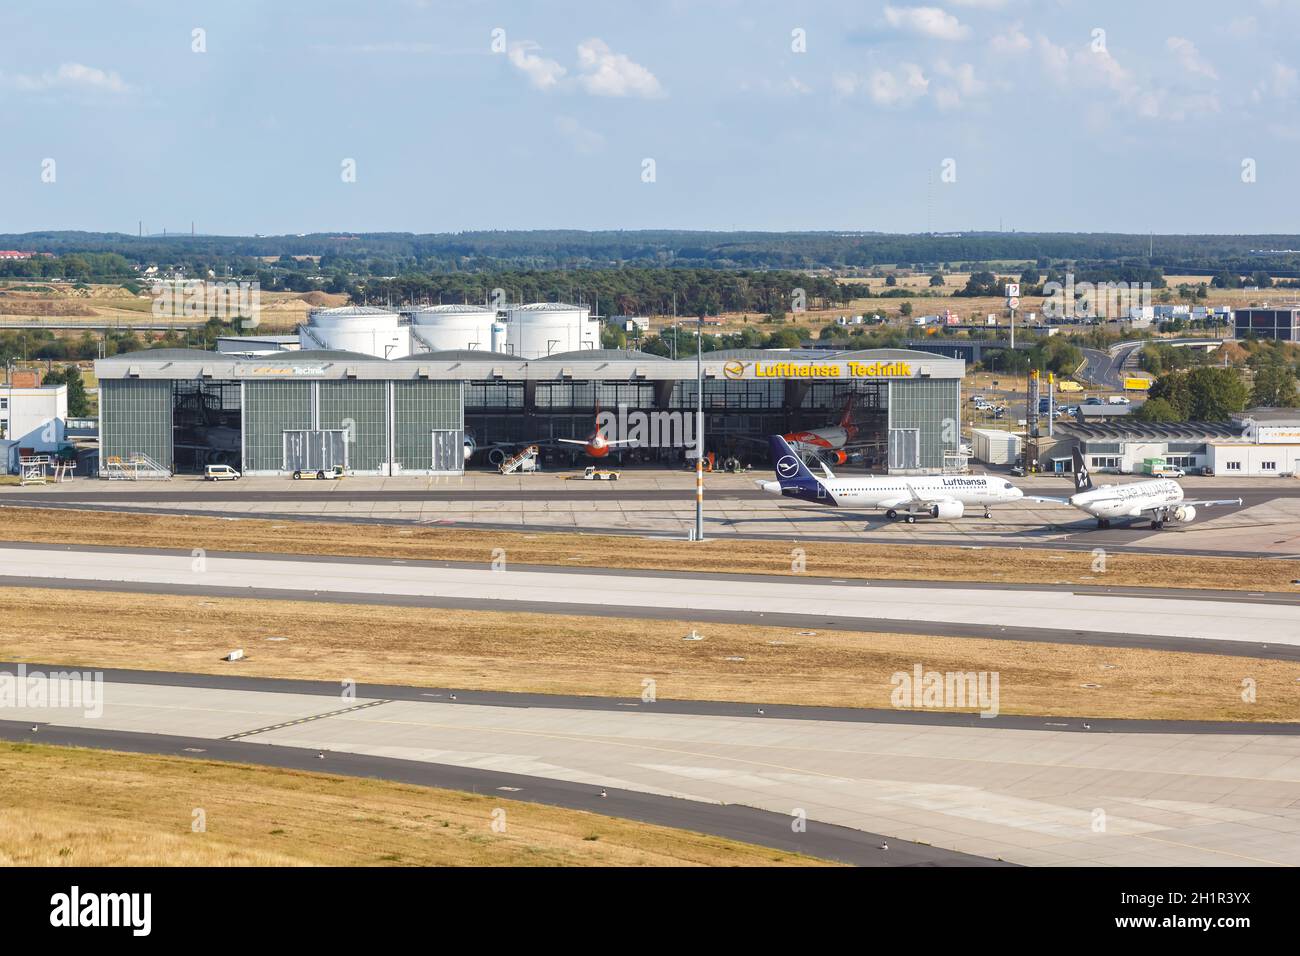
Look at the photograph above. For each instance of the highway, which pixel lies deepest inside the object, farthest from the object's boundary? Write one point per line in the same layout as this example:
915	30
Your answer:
1263	625
1064	792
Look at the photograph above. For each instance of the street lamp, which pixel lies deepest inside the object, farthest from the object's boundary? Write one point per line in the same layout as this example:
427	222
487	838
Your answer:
699	428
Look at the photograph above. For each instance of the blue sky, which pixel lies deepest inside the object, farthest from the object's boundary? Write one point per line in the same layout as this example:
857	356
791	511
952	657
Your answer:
902	117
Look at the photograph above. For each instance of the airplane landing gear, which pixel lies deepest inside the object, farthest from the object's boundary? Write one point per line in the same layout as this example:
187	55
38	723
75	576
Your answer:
910	519
1103	523
987	513
891	514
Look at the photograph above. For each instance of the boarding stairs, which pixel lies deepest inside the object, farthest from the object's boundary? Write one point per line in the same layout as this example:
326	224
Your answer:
134	467
515	462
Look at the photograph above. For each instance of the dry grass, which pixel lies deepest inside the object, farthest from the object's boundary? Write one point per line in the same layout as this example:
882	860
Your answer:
822	559
74	807
554	654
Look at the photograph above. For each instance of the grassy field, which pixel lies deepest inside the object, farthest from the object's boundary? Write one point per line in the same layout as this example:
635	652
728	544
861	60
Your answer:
74	807
822	559
562	654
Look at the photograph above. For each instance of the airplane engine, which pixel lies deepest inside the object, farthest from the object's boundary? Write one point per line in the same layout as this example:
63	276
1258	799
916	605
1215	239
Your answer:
1185	513
496	456
841	457
947	509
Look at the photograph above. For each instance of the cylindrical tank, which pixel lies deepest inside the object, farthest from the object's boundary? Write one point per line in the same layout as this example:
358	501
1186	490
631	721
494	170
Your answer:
357	328
498	336
549	328
447	327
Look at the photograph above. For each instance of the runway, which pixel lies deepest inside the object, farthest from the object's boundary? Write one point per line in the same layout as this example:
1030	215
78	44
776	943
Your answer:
1040	796
1257	626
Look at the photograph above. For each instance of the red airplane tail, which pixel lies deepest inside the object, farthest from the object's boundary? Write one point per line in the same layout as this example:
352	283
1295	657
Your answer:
846	420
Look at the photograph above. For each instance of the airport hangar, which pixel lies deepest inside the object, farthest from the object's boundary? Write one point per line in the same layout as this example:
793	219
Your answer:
284	411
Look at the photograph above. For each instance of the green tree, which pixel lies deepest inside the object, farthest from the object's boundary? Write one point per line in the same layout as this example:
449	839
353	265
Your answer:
936	281
1216	393
1157	410
1275	387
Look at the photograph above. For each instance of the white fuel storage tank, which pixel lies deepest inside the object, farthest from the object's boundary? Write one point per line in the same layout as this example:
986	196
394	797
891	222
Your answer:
549	328
356	328
439	328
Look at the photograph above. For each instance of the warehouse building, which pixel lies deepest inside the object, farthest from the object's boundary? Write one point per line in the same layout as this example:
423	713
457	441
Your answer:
1260	442
1281	325
280	412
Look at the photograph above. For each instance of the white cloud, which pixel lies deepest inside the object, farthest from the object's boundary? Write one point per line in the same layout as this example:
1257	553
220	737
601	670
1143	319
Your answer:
926	21
1280	83
1013	41
981	4
1185	52
582	140
1243	26
888	88
70	76
606	73
960	83
542	73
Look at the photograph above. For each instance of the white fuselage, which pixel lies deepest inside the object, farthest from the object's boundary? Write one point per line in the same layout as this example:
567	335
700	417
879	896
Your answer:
900	492
1131	500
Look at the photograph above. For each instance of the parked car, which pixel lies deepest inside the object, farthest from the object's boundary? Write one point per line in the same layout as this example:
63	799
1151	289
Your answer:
1093	401
1168	471
220	473
1018	470
1120	400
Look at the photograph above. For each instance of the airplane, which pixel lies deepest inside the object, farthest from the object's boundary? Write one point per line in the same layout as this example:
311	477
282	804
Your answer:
833	439
1161	497
934	496
595	445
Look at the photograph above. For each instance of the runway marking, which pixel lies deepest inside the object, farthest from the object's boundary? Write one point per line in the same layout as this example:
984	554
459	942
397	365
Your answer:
811	771
305	720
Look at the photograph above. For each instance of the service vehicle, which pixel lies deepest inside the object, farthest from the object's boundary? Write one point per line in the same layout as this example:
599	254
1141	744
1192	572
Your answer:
332	473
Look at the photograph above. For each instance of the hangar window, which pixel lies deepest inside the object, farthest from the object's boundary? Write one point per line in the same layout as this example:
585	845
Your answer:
1104	461
1232	466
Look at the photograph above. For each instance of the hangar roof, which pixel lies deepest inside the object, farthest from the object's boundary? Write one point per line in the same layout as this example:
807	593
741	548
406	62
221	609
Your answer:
473	365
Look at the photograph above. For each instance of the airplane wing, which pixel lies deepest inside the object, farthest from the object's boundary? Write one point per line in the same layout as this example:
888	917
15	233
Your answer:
916	501
1195	504
826	469
569	441
1048	499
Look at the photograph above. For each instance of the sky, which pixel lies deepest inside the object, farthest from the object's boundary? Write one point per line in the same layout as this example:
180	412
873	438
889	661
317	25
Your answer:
1171	116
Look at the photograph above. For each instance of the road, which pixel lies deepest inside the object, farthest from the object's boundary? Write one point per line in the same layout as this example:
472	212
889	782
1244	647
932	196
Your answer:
1106	368
1230	623
1072	794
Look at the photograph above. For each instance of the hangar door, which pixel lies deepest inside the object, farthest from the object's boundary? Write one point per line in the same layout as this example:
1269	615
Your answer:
904	448
315	449
448	450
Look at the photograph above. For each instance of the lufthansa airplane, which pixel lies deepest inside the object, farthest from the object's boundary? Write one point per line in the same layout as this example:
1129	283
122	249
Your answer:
936	496
1160	498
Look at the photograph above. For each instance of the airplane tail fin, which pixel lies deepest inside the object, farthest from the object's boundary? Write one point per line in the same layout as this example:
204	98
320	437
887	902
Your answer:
1082	480
846	420
790	468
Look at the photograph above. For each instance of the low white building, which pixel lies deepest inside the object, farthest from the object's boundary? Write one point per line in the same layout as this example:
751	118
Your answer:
32	418
1261	442
994	446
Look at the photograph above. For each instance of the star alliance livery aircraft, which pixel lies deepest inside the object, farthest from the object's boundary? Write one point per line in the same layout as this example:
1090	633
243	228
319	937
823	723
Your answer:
934	496
1160	499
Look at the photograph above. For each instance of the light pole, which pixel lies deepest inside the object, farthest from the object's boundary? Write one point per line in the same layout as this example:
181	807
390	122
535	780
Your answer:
699	428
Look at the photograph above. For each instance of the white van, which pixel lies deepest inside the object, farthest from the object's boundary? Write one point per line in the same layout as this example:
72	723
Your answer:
220	473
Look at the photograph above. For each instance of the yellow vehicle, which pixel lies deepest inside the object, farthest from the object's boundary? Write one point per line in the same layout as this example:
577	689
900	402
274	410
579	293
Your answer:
1065	385
1136	384
592	473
